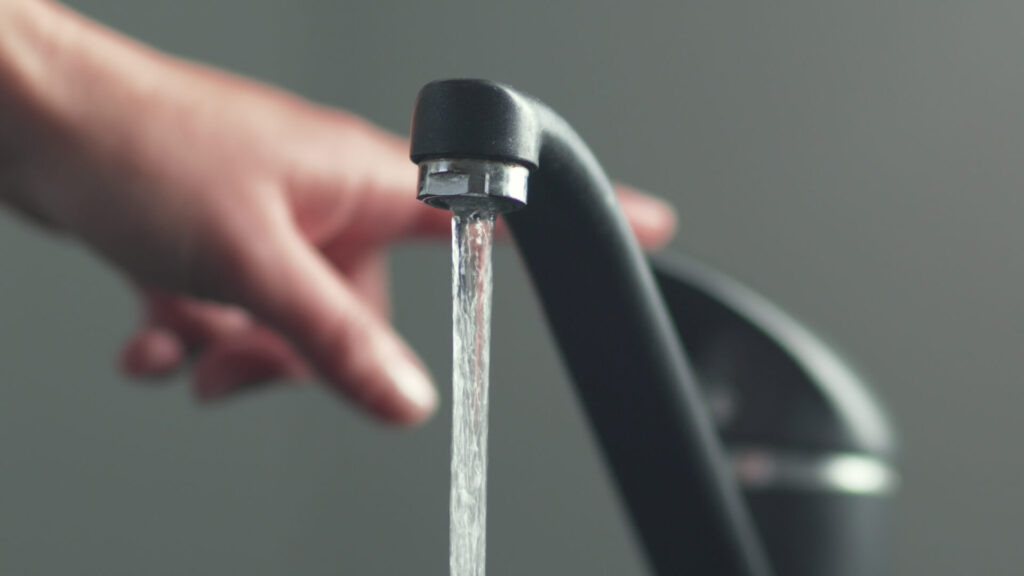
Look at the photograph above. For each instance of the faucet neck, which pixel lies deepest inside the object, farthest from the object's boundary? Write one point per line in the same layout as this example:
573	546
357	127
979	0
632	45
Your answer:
611	324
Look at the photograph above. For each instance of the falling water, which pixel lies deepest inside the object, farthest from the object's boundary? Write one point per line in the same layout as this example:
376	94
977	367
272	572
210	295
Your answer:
471	317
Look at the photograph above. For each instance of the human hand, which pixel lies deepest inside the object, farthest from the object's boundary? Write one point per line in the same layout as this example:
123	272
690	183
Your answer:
253	222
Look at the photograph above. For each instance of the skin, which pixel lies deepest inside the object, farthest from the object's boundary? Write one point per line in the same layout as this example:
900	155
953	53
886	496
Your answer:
254	223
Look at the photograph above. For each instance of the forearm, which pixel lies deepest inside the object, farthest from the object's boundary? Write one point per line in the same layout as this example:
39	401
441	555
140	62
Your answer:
63	81
23	126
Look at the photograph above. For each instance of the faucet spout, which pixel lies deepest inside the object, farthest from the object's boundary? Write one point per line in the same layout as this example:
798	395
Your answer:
608	316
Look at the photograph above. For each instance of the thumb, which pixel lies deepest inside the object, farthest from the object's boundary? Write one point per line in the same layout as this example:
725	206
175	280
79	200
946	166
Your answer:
289	285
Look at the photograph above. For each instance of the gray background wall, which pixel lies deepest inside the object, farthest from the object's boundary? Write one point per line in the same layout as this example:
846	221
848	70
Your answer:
859	163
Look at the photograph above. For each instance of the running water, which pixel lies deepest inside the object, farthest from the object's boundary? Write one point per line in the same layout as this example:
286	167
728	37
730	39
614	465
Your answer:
471	318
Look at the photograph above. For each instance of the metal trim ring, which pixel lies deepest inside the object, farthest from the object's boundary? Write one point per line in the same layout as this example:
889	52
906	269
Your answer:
493	186
848	473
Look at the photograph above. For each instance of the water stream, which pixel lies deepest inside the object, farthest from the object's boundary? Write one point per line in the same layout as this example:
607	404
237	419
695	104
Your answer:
472	233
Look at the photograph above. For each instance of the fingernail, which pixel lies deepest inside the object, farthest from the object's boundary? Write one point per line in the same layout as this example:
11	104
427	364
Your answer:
162	351
413	384
653	211
156	352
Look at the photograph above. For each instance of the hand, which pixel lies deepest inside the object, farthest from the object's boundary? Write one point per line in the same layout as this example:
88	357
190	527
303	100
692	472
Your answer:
253	222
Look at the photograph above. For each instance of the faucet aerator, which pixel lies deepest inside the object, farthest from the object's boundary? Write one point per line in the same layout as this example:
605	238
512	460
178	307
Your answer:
473	185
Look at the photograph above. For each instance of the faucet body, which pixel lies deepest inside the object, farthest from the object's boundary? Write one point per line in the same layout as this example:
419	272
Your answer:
619	338
810	446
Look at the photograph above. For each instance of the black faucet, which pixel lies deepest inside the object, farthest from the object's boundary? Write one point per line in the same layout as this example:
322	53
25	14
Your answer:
740	444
